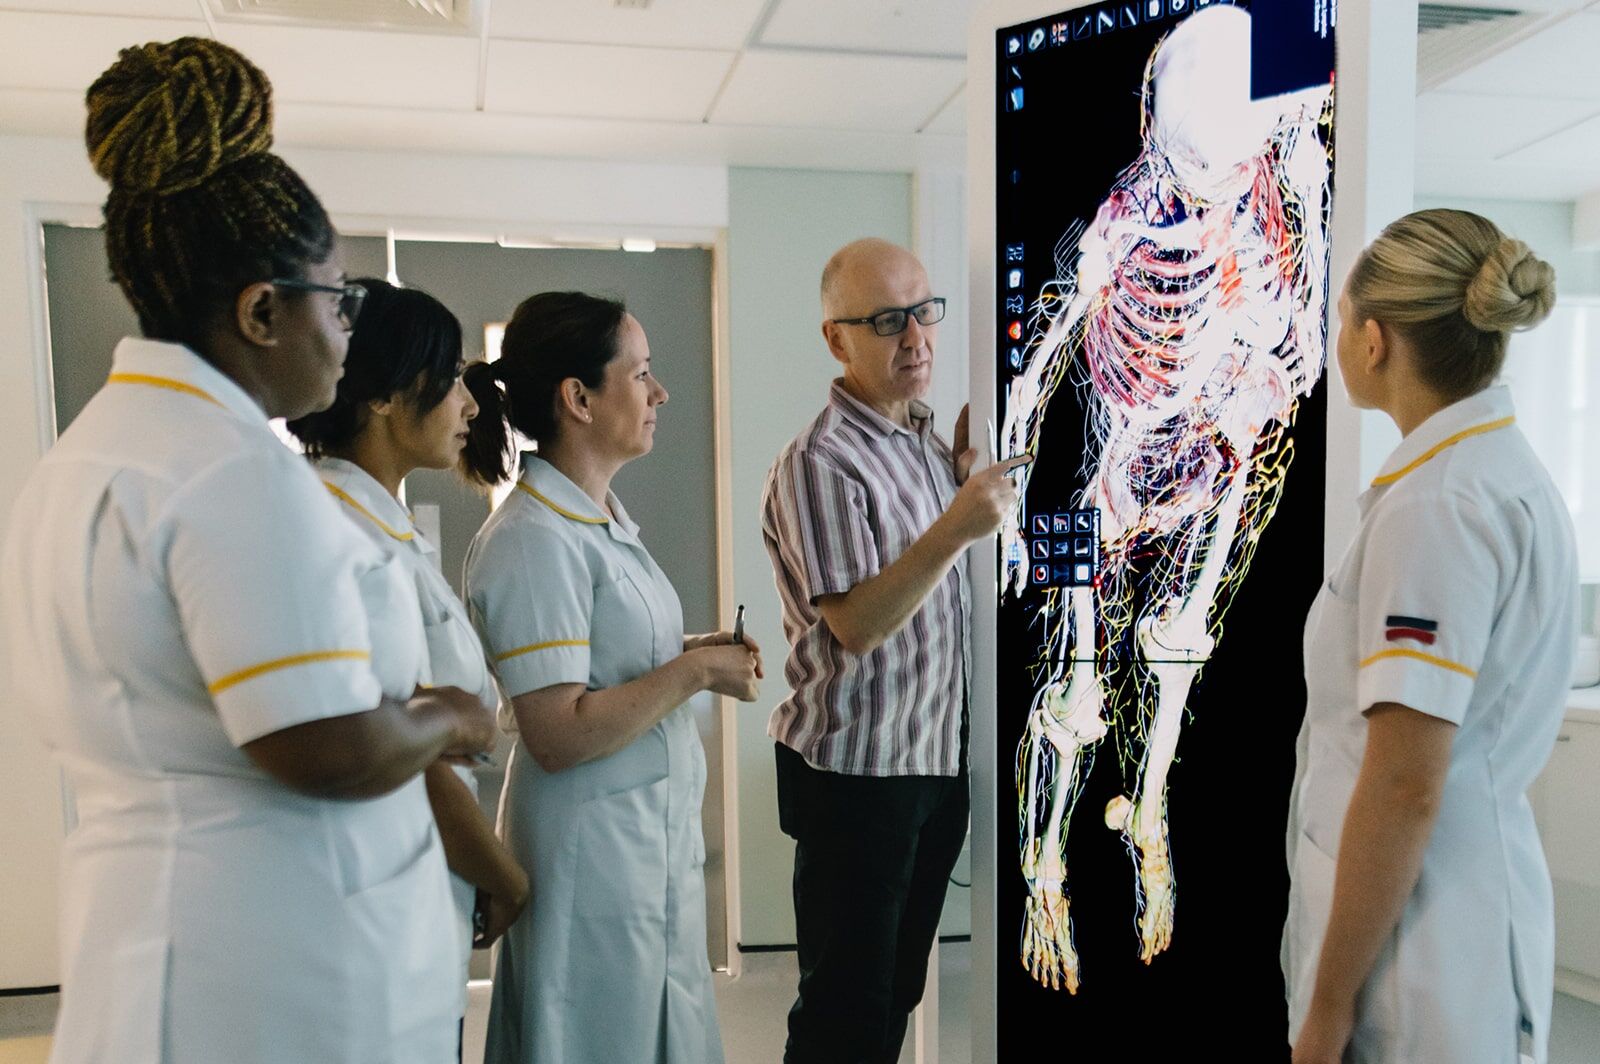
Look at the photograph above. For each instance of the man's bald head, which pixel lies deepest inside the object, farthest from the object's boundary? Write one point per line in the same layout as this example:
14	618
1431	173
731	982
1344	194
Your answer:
858	273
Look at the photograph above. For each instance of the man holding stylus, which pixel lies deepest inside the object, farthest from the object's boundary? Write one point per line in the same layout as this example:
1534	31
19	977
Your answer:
867	516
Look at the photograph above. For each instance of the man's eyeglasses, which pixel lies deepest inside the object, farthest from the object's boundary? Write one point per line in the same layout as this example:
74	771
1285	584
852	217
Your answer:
350	296
894	321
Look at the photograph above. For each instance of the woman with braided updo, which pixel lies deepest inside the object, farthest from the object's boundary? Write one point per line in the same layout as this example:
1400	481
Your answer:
225	665
1437	660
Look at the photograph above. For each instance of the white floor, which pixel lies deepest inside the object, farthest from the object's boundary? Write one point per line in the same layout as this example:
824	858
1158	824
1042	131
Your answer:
753	1008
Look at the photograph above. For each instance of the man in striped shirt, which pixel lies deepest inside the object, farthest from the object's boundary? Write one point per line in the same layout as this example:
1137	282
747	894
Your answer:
867	516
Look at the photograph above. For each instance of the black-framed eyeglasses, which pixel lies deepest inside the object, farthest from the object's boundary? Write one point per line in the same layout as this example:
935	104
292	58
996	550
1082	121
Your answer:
351	296
893	322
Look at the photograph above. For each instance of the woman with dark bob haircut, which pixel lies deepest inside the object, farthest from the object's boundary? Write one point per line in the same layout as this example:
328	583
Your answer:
602	801
226	668
401	406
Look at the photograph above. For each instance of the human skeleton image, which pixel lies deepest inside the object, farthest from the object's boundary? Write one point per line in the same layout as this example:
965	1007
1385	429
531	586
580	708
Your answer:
1189	315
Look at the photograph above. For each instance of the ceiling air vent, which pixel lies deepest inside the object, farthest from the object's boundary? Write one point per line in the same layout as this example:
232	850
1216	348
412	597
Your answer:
1452	38
446	16
1431	17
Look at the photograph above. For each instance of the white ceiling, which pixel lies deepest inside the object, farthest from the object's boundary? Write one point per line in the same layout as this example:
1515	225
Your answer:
875	84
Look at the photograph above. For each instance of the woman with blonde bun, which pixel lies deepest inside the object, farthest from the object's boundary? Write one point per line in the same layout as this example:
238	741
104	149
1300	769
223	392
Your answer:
1420	927
232	674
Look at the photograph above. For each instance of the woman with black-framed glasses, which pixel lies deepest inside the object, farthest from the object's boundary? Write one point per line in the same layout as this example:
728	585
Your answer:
227	669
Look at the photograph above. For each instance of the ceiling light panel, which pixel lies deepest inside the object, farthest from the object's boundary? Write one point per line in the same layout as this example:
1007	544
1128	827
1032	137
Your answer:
590	81
720	25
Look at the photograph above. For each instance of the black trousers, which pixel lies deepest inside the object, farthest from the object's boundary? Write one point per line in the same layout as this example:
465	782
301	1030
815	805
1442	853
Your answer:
872	861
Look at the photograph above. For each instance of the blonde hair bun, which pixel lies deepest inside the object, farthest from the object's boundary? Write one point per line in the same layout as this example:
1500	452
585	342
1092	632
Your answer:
1513	289
166	116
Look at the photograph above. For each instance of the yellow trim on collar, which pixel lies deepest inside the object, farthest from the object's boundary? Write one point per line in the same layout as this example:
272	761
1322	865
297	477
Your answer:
542	646
161	382
563	512
403	537
1432	452
1402	652
284	663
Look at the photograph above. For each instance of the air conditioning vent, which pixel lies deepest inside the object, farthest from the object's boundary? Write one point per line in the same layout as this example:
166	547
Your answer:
444	16
1431	17
1452	38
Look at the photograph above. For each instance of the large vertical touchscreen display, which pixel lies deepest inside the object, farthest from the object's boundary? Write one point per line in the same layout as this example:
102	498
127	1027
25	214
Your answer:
1164	183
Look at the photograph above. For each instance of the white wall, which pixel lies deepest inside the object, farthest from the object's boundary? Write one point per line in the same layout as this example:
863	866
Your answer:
43	179
782	226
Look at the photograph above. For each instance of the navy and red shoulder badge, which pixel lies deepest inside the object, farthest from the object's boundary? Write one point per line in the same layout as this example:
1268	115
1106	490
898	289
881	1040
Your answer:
1418	629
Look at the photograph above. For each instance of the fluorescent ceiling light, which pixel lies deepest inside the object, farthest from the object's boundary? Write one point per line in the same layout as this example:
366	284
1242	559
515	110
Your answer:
638	243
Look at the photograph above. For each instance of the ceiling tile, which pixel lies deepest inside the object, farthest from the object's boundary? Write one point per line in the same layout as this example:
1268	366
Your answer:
1558	63
1448	177
1577	146
188	10
923	27
714	24
1464	126
593	81
832	91
362	67
952	117
43	51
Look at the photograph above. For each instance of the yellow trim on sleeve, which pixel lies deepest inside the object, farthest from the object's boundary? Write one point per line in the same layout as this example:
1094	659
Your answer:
286	663
559	510
161	382
1402	652
403	537
542	646
1433	452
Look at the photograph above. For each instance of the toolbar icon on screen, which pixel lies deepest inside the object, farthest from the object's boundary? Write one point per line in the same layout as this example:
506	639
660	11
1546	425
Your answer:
1036	39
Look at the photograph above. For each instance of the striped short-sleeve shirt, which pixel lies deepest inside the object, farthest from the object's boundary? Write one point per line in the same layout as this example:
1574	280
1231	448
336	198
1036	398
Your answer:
844	500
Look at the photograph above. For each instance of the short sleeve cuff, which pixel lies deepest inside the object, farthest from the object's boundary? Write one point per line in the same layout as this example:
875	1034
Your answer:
272	696
836	582
1424	682
541	665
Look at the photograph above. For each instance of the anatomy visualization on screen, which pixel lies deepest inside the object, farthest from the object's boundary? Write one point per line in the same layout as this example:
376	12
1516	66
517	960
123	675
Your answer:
1186	313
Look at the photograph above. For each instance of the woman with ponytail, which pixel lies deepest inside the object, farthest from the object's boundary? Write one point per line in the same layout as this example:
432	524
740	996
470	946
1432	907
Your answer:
1437	660
602	800
232	675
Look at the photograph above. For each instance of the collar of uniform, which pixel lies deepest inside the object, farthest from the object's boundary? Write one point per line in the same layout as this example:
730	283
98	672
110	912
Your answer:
550	487
364	498
140	362
1486	411
868	419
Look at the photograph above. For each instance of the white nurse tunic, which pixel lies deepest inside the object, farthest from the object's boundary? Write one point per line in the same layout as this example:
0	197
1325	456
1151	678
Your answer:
609	961
179	584
455	656
1458	599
